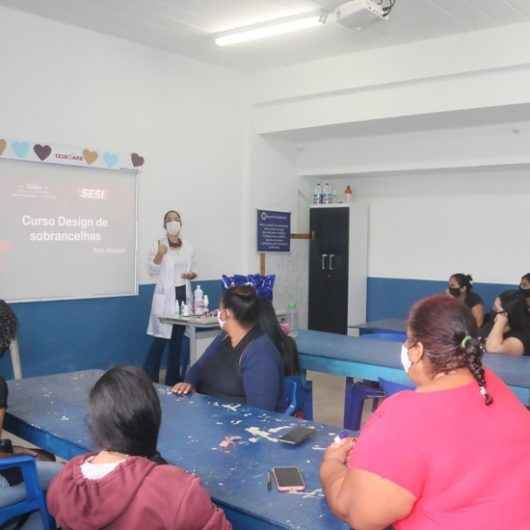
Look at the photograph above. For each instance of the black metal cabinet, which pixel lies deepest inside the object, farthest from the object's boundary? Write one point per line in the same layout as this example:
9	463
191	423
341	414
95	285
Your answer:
328	269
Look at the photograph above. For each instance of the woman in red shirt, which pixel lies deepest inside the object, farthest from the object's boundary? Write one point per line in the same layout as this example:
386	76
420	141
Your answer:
452	455
127	485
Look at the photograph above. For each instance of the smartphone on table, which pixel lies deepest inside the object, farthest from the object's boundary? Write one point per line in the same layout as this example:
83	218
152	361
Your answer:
288	479
297	435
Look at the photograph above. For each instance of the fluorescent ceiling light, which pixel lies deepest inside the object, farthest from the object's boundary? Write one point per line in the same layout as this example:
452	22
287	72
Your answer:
264	32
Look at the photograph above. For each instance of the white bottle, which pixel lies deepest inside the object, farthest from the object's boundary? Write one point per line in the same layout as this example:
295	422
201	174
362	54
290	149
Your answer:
317	194
326	194
198	301
185	310
182	307
206	304
177	308
292	319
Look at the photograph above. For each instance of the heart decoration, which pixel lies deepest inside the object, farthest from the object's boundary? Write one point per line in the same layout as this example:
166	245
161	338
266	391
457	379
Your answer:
90	156
3	145
42	151
111	159
21	149
137	160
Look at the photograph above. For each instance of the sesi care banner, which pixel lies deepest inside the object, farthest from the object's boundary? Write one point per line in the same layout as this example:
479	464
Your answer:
68	155
274	231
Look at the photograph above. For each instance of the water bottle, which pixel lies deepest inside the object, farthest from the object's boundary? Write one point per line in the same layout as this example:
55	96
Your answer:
292	319
326	194
206	304
198	301
317	194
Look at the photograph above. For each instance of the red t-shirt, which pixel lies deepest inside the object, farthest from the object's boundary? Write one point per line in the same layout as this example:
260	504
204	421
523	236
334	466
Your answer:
468	465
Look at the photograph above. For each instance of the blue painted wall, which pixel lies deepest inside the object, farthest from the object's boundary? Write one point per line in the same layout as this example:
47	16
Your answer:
79	334
393	297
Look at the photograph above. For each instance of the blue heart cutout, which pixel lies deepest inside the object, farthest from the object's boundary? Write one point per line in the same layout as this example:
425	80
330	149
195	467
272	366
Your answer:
21	149
111	159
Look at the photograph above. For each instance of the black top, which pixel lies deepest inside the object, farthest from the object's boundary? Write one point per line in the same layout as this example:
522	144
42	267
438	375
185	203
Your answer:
3	394
523	336
473	299
250	373
221	375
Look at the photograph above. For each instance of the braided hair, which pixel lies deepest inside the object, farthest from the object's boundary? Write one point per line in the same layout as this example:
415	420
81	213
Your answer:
8	326
449	334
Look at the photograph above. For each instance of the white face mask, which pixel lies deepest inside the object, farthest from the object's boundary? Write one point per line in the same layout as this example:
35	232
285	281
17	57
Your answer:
220	320
405	359
173	228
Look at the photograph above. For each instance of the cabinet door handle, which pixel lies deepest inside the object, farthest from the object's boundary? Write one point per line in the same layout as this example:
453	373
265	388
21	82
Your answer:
331	258
323	261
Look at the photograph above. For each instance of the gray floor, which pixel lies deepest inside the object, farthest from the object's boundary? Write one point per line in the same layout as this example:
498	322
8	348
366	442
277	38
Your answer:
328	398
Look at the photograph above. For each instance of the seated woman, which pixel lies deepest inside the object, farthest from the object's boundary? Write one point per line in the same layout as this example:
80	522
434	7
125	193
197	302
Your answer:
242	363
453	454
509	331
127	485
460	286
12	489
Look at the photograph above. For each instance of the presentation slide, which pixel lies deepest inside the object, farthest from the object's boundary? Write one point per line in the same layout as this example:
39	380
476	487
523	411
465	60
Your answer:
68	232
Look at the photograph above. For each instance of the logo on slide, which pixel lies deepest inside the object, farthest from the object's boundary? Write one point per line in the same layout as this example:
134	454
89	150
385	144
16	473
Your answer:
111	159
21	149
137	160
42	151
3	145
264	216
90	156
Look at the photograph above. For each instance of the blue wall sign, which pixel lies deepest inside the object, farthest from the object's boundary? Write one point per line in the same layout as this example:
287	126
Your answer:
274	231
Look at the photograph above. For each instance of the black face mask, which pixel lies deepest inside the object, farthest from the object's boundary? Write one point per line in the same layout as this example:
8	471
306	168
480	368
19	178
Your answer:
454	291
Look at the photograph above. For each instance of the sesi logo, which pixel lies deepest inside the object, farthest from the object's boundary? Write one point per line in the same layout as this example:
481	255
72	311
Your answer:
93	193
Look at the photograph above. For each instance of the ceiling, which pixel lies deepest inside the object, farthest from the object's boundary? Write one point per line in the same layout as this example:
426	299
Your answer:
187	27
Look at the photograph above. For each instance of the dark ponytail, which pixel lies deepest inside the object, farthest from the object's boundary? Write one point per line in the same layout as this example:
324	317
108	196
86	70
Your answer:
448	332
268	323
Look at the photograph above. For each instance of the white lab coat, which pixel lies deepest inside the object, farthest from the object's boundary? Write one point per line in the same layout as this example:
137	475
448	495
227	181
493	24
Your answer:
164	299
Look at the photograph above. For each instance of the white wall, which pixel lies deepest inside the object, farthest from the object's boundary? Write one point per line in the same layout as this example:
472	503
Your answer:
428	224
464	147
483	69
68	85
273	184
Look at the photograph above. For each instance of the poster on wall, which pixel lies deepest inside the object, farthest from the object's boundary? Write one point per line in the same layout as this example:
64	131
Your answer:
274	231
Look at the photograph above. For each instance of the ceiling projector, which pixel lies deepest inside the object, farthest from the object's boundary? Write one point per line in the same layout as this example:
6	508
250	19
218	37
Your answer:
358	14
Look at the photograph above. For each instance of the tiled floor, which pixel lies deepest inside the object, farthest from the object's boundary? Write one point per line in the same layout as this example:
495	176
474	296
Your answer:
328	398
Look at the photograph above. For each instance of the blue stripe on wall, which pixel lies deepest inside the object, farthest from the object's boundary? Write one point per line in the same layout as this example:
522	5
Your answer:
393	297
80	334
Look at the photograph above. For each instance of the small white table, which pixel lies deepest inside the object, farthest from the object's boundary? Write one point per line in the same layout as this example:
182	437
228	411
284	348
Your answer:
206	326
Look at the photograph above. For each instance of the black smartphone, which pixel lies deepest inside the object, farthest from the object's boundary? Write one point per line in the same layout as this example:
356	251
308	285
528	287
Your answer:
288	479
297	435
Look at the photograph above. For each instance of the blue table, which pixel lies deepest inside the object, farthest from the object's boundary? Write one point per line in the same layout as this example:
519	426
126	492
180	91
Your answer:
51	412
388	325
364	358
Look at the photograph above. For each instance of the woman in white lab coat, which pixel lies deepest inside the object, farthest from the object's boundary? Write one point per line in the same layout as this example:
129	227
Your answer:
171	262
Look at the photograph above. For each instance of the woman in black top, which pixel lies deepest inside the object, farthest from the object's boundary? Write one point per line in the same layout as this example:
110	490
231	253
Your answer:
510	329
242	363
460	286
